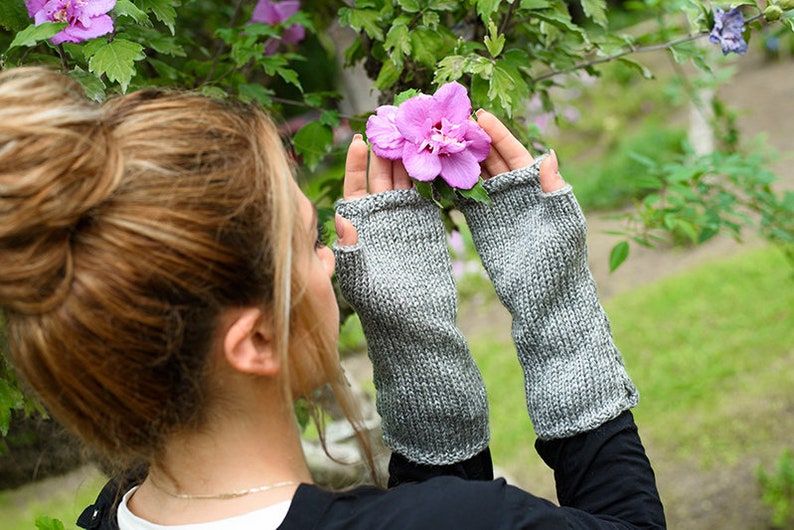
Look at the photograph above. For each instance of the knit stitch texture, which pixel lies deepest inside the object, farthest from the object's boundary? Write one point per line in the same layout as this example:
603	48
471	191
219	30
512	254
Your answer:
533	246
398	277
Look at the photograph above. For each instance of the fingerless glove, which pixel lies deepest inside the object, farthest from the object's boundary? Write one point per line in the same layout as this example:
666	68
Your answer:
533	246
398	277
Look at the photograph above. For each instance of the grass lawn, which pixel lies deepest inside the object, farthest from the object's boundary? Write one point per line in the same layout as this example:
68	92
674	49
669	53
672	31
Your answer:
21	507
711	350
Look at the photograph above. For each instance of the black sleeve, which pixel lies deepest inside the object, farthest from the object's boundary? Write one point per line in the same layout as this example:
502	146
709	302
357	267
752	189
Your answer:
402	470
604	477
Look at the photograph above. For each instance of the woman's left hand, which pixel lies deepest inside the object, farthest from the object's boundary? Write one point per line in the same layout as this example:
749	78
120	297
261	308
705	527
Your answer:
508	154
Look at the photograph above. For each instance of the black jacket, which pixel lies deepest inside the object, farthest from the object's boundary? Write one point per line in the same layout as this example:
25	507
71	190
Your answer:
603	479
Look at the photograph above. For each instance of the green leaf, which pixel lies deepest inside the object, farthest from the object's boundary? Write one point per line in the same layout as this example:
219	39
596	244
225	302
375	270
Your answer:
330	118
444	191
618	255
493	41
398	43
596	10
486	8
13	15
450	68
313	141
405	95
290	76
500	87
48	523
409	6
255	92
426	46
163	11
431	19
116	60
388	75
125	8
644	72
365	20
535	4
32	35
10	399
425	189
477	193
93	86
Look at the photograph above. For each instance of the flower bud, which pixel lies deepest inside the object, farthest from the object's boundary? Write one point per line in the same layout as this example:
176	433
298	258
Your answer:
773	13
785	5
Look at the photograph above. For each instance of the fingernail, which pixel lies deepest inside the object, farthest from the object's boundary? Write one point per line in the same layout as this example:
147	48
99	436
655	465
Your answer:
555	161
357	136
479	112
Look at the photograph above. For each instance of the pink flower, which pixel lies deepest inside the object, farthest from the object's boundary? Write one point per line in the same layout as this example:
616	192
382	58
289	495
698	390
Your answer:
274	13
436	137
87	19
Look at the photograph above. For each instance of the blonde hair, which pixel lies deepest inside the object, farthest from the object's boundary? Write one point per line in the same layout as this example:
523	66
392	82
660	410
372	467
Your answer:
125	230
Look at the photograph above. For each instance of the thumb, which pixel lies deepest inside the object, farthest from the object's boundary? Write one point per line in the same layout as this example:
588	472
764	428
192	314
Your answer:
346	234
550	178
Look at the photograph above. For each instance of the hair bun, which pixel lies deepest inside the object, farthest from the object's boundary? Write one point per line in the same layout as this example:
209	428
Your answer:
57	164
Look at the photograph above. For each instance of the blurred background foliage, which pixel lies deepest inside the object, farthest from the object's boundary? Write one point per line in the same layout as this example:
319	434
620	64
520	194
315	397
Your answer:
582	74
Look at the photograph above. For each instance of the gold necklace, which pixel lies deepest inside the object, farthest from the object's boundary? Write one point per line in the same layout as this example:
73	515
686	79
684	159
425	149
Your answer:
229	495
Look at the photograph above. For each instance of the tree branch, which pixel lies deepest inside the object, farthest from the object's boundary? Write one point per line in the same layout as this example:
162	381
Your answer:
639	49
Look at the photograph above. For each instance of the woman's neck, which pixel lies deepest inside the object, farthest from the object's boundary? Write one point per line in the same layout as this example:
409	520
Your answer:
241	450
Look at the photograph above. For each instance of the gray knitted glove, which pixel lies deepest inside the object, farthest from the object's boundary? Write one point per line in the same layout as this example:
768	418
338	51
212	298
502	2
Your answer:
398	277
533	246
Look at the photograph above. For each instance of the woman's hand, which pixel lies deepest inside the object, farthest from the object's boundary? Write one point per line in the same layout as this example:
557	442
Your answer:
393	267
508	154
384	175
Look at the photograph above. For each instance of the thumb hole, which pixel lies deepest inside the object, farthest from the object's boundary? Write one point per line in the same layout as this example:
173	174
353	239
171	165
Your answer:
550	178
346	234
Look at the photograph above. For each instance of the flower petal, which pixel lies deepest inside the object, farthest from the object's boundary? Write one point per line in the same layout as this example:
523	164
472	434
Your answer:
415	118
479	143
382	133
293	34
34	6
727	31
97	7
460	170
265	12
286	9
420	164
453	102
101	25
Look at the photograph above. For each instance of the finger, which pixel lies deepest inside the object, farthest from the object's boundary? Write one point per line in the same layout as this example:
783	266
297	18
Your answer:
355	185
493	164
400	176
550	178
511	153
346	234
380	174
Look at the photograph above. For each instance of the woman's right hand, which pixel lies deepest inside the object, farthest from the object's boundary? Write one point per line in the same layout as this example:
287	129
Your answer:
384	175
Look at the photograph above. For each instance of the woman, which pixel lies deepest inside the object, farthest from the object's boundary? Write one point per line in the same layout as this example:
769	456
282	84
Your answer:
167	295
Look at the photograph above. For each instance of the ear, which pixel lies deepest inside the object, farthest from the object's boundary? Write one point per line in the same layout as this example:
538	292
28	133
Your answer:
248	344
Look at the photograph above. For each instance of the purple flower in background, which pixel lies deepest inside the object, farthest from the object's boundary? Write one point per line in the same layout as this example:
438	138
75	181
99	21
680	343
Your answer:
273	13
86	18
436	137
727	31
